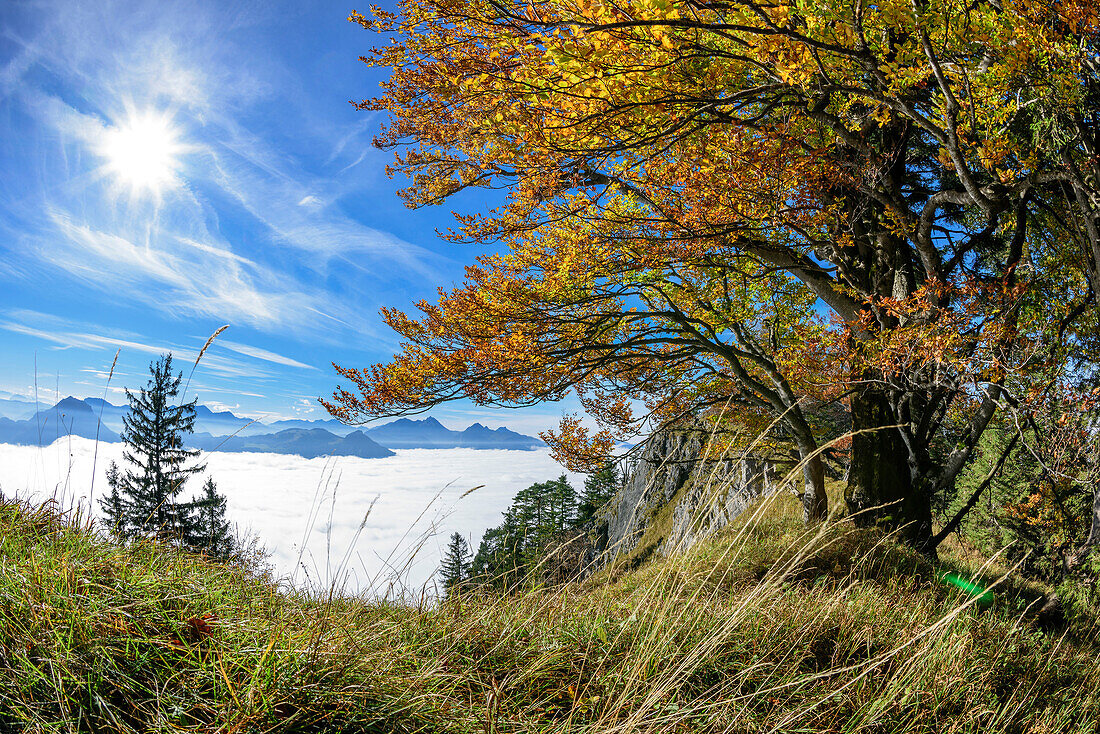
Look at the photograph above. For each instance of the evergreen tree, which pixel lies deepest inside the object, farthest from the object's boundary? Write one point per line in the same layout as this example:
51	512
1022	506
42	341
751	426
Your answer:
153	434
211	532
538	514
499	561
113	504
598	489
485	568
561	506
456	564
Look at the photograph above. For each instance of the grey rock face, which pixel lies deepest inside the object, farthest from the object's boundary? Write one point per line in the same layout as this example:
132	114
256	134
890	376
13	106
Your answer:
719	495
707	493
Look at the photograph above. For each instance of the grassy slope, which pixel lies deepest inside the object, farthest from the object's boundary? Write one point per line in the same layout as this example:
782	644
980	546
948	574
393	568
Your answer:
765	628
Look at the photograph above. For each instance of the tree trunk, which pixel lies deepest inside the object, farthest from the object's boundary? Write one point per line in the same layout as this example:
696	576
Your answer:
815	503
1094	530
880	487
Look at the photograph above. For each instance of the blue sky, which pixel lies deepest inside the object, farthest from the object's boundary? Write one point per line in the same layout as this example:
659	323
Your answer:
171	167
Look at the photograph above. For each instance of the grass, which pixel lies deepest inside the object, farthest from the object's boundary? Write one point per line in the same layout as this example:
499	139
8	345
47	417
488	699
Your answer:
766	627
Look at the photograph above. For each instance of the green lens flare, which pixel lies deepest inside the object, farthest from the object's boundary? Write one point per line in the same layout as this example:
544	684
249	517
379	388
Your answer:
985	598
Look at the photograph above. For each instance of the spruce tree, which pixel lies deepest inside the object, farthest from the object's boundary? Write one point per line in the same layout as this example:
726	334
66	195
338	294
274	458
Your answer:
114	505
598	489
455	569
211	532
538	516
153	434
561	505
486	568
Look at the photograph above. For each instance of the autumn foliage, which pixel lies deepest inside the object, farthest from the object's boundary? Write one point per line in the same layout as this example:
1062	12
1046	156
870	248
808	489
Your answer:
755	210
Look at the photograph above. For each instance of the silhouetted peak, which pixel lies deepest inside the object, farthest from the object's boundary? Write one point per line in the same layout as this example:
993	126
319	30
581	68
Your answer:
73	405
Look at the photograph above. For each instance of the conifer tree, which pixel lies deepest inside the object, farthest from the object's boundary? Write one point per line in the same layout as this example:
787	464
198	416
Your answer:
455	569
113	504
211	533
486	567
153	434
538	514
562	505
598	489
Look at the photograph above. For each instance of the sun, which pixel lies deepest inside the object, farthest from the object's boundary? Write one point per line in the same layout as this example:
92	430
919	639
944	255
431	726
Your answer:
142	151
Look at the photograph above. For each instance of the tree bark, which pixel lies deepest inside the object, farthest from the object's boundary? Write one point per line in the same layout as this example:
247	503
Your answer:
815	503
881	490
1094	530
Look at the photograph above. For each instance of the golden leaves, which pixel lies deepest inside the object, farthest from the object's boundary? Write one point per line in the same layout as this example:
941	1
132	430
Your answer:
576	446
659	163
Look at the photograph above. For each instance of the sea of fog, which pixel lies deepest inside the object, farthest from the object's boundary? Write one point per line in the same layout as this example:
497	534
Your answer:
309	513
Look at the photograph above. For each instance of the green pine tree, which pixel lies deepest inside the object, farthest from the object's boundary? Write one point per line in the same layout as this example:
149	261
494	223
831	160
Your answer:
114	507
158	462
538	514
598	489
455	570
211	533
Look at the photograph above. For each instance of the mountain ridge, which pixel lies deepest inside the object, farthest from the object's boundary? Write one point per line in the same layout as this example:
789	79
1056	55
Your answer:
97	418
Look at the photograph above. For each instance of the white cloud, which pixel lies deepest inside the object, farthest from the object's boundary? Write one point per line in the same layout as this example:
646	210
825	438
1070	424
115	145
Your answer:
264	185
80	336
118	59
67	340
365	124
178	275
263	354
418	496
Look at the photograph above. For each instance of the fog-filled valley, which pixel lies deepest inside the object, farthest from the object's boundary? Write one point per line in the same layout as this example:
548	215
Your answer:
285	498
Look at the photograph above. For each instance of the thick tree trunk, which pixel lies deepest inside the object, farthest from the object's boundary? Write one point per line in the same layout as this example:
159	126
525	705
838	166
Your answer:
880	485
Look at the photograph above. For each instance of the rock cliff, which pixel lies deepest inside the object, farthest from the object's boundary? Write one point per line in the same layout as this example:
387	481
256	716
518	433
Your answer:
674	493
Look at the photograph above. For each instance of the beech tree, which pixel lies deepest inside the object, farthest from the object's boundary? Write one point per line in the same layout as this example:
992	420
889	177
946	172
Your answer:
750	209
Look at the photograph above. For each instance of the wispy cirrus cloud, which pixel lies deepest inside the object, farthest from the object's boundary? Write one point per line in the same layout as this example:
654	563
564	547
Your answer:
263	354
177	275
85	72
76	335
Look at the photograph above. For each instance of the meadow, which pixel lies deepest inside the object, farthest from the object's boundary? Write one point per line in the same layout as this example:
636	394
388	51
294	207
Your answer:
766	627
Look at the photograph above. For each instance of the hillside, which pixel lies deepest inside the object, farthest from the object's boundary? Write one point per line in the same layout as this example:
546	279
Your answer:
760	629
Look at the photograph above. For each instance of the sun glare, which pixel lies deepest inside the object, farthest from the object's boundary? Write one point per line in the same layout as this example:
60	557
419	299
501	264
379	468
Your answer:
142	151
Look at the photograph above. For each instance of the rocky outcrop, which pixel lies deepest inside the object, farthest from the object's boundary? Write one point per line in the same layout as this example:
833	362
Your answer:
676	493
723	494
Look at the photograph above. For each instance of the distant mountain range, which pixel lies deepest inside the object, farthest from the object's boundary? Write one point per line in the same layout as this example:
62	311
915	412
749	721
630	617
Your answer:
21	423
70	417
307	442
429	433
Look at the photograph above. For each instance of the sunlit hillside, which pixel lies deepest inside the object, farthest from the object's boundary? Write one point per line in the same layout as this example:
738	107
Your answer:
767	627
